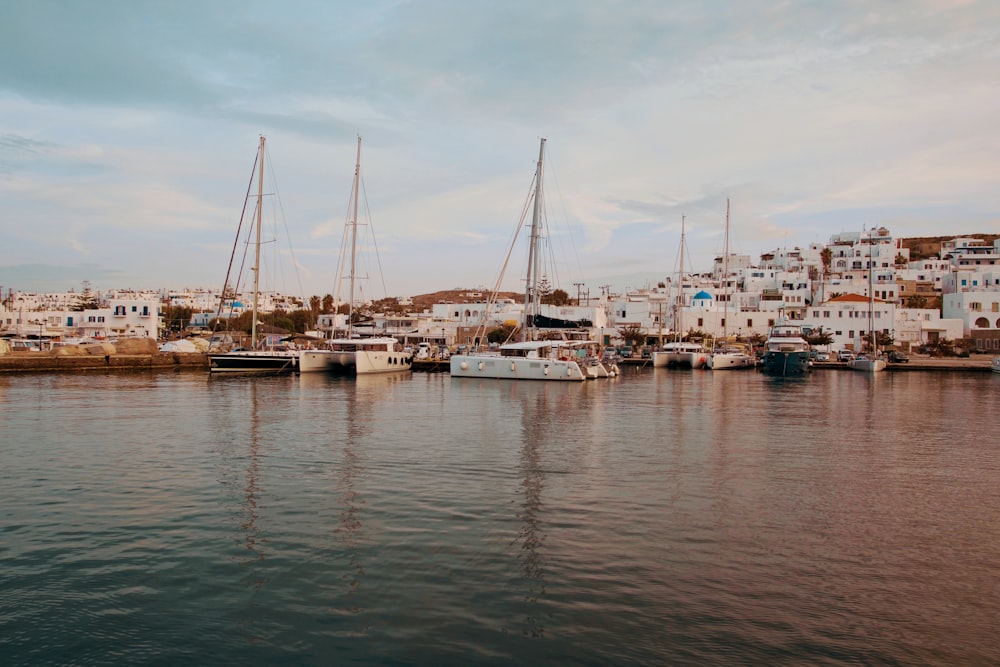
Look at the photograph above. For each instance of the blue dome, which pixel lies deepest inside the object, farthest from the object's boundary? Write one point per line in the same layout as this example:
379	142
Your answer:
702	295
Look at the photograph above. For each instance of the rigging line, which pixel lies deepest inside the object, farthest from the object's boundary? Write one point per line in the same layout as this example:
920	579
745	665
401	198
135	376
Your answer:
284	223
371	228
236	243
481	326
344	244
553	177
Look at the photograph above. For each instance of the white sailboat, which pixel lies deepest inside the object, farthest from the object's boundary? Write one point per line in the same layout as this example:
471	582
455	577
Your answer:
870	361
679	352
726	356
255	359
356	355
528	359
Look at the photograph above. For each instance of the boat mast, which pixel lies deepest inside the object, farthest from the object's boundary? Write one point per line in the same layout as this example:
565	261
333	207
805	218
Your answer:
256	261
678	302
871	296
534	261
354	238
725	279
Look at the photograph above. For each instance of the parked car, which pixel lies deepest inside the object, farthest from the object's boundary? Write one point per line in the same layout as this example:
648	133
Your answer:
898	357
822	356
845	355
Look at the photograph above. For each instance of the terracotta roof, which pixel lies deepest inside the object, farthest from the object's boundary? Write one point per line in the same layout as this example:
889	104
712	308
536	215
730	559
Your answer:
851	298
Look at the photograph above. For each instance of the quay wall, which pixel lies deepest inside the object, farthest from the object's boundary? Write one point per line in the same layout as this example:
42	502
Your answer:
37	362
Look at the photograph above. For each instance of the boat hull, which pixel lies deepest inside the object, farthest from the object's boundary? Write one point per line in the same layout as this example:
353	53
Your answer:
866	365
514	368
680	359
359	362
779	362
253	362
729	361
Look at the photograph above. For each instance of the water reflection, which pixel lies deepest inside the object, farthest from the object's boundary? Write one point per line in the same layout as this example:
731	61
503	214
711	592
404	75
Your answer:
362	397
543	406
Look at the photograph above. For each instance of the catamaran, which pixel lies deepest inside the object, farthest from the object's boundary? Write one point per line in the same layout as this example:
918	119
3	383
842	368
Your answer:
726	356
355	355
527	359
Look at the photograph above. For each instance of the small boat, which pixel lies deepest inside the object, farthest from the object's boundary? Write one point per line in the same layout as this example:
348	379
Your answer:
255	359
995	365
786	351
354	355
866	363
528	359
729	358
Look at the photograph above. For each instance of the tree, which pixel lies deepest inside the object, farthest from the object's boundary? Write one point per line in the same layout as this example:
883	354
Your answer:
916	301
633	335
176	318
544	290
87	299
826	256
557	298
327	307
315	303
500	335
818	337
884	340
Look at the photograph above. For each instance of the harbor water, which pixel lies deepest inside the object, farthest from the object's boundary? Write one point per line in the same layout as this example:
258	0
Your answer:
663	517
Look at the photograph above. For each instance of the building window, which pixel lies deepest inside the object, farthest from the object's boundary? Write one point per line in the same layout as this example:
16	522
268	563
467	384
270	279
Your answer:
982	323
975	306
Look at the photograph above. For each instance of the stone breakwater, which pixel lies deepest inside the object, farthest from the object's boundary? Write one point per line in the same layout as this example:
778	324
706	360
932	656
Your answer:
126	354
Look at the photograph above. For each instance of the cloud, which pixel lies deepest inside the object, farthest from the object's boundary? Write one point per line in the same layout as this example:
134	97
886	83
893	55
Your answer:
130	128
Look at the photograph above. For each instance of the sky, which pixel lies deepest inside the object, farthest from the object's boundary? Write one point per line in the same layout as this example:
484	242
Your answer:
128	132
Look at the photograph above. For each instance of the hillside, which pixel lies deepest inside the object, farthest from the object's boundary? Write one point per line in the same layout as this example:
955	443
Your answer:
921	247
459	296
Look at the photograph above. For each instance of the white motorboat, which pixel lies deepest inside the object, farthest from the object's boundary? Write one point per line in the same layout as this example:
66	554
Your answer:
786	350
995	365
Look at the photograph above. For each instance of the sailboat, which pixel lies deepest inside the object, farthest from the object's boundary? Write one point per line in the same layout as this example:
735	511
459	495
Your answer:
354	354
528	359
256	359
679	352
870	362
727	357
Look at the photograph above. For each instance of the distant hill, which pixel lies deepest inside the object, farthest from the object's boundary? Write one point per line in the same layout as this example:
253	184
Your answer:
459	296
922	247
